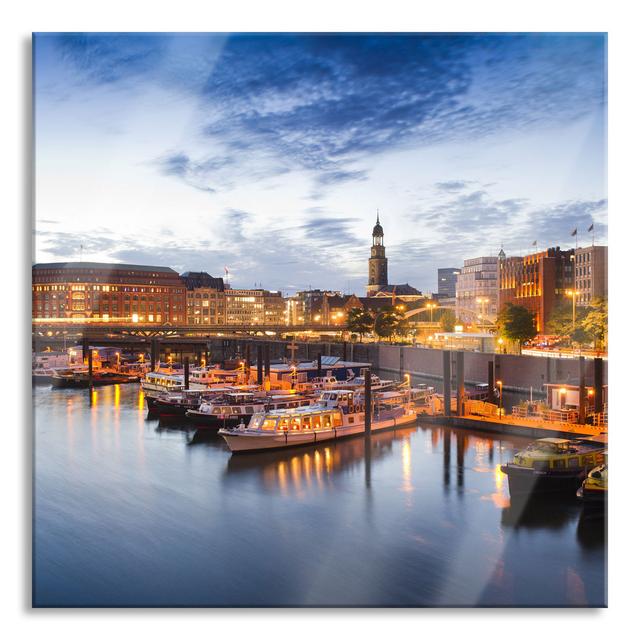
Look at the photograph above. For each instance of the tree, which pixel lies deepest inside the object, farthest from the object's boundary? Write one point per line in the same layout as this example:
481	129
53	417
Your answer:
359	321
516	323
560	322
447	320
385	324
596	321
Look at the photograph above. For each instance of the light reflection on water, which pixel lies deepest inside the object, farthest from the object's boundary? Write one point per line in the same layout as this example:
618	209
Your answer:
133	512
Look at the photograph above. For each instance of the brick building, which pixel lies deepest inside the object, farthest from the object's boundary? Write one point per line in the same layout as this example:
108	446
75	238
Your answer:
107	292
538	282
592	274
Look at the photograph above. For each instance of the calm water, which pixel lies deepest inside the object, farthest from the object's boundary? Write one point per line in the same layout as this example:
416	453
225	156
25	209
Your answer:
129	512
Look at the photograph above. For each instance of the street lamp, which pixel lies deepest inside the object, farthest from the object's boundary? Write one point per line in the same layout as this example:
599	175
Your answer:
499	383
431	306
573	293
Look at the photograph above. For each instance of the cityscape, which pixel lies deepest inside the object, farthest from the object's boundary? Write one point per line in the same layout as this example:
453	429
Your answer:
564	293
320	320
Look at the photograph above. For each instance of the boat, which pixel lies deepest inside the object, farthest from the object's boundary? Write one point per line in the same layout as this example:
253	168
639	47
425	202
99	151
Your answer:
236	407
552	465
175	403
357	382
44	375
595	486
155	383
337	414
81	379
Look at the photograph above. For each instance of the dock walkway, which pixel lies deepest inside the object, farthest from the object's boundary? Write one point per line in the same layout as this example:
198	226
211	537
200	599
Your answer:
512	425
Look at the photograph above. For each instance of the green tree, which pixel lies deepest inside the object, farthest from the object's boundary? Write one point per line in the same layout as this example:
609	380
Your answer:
447	320
359	321
385	323
596	321
516	323
560	322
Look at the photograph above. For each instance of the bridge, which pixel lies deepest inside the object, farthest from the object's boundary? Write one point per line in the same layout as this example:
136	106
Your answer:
59	328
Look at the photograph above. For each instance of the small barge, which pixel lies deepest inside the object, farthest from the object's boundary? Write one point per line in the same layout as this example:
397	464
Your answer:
553	465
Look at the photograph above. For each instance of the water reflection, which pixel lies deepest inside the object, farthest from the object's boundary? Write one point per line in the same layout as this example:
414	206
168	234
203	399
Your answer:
129	507
316	466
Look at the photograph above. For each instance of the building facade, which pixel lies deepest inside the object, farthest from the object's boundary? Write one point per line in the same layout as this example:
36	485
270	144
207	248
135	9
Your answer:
378	277
538	282
94	291
447	278
592	274
254	306
477	291
205	298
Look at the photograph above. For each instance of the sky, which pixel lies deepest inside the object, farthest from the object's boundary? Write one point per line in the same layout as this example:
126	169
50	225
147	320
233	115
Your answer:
269	154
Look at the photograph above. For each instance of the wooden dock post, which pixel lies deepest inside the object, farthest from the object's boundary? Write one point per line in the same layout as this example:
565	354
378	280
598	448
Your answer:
319	373
267	367
247	361
597	383
367	401
344	351
582	396
259	366
185	364
446	381
90	367
460	382
491	382
85	349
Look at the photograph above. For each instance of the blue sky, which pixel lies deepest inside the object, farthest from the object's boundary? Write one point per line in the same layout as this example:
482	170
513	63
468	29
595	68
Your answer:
271	153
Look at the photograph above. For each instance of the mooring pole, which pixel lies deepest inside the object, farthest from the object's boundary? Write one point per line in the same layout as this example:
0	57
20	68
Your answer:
267	367
185	364
85	349
460	381
491	382
582	396
597	383
90	367
319	364
259	366
344	351
446	381
247	361
367	401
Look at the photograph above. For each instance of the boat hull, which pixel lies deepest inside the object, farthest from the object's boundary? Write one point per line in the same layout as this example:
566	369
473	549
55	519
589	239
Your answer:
85	383
526	481
206	421
253	443
592	496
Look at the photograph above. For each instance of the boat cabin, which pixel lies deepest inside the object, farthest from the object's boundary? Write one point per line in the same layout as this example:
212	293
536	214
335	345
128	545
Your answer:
299	421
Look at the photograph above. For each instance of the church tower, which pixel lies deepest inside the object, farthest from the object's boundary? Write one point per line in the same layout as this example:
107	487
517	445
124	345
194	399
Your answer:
377	261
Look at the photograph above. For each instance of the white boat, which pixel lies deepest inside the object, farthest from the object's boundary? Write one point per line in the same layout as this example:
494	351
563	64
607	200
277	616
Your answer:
156	383
337	414
357	382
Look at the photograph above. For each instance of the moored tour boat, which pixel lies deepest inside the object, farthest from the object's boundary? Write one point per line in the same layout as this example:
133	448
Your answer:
337	414
595	486
553	465
236	407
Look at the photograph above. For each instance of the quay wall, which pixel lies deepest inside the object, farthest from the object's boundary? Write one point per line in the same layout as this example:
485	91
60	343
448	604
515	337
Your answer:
519	373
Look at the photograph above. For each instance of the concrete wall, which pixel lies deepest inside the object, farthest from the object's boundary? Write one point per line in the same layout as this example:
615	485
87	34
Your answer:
517	372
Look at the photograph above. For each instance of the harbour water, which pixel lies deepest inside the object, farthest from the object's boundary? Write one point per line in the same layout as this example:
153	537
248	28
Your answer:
133	512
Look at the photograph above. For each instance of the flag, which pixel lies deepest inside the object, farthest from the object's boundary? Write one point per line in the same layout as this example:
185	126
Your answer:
574	232
591	227
226	271
535	243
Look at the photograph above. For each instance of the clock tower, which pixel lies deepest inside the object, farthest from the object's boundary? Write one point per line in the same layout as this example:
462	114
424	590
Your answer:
377	261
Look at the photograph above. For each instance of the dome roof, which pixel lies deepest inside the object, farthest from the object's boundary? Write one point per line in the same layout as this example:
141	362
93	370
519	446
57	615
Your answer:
377	229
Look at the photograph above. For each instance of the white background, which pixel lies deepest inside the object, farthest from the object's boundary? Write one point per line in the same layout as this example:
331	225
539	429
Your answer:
18	21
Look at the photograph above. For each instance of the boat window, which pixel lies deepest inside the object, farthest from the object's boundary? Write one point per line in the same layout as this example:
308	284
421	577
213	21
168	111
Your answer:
351	419
295	424
337	419
574	462
560	463
248	410
306	422
326	420
283	424
316	421
236	410
269	424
